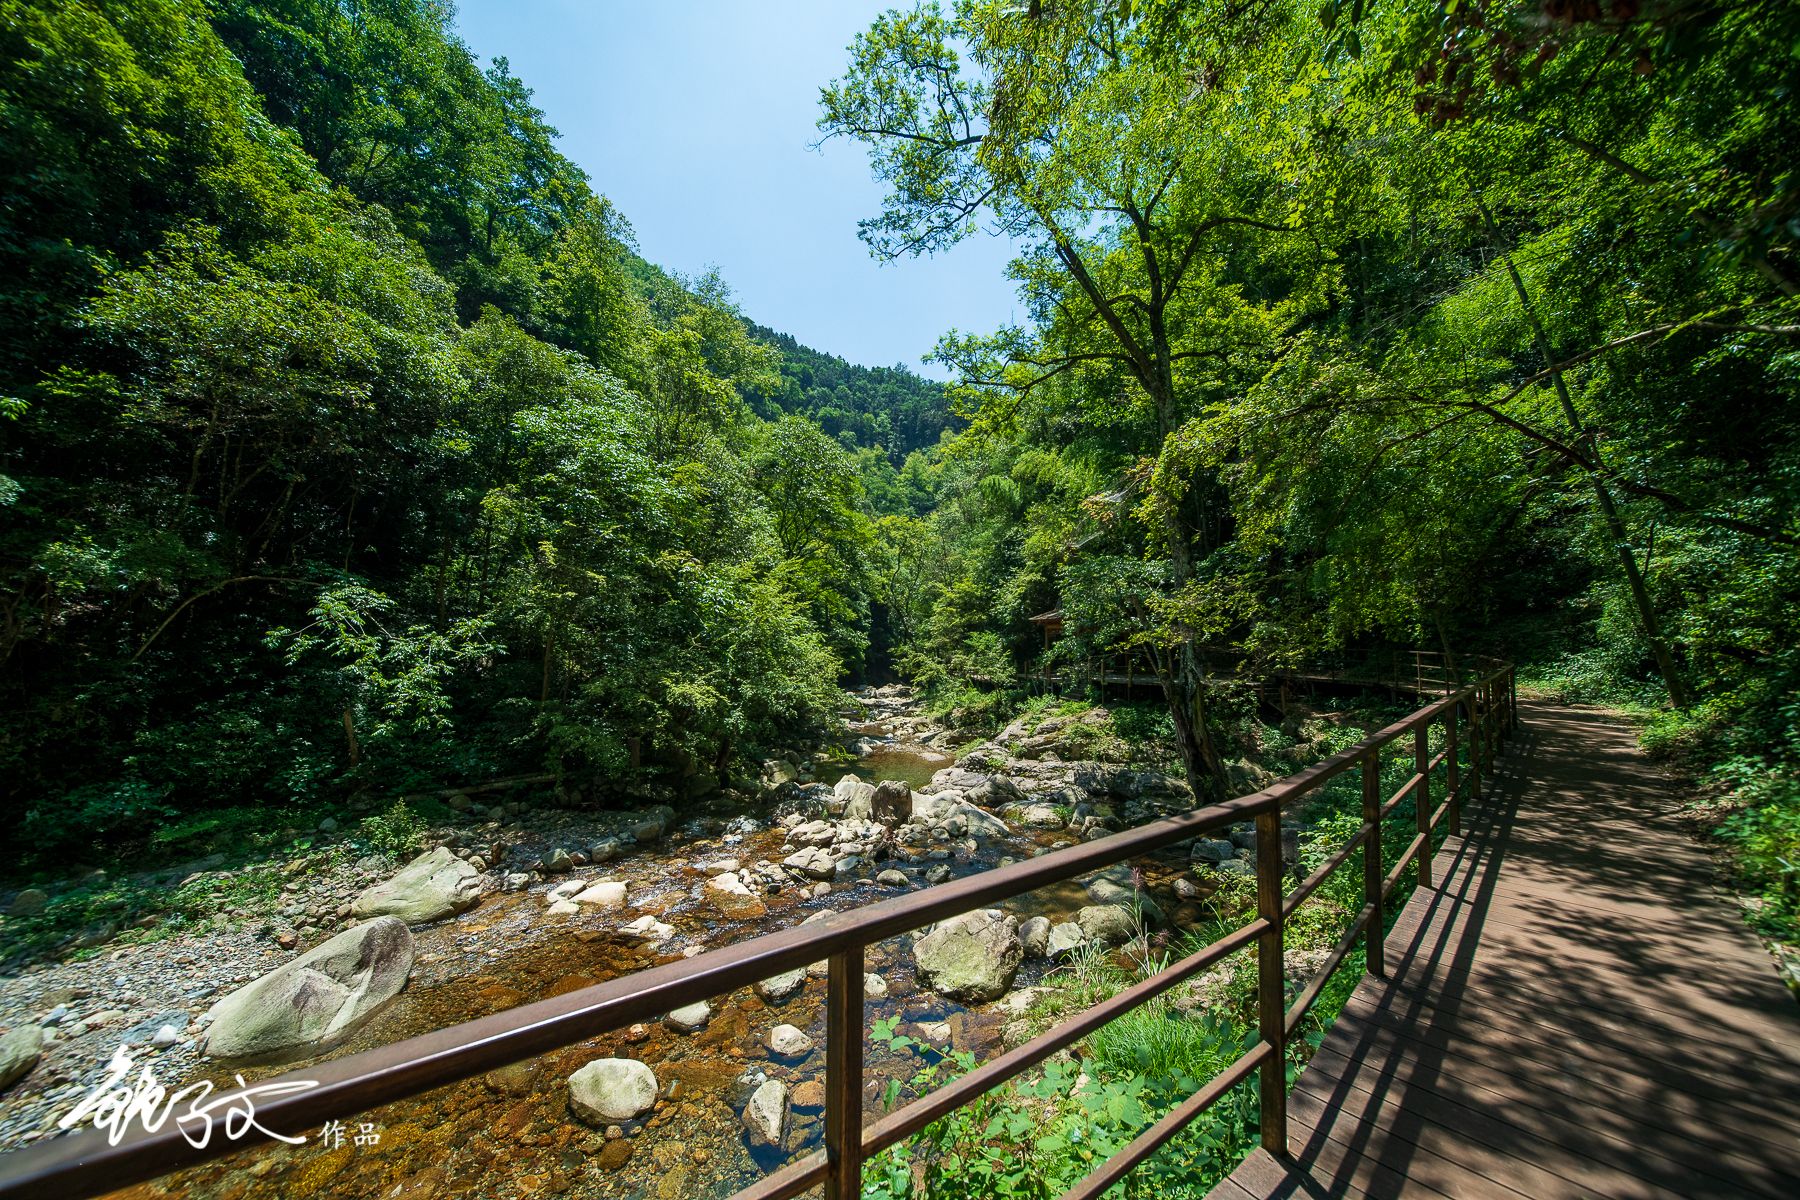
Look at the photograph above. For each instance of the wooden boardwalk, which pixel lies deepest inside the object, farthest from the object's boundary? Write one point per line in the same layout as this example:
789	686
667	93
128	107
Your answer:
1573	1011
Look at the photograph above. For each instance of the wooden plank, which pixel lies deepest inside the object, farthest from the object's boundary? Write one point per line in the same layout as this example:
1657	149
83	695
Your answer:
1572	1012
1591	1069
1485	1108
1355	1149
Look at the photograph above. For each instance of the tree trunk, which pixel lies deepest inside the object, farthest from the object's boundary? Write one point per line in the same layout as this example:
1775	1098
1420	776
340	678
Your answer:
1615	524
350	736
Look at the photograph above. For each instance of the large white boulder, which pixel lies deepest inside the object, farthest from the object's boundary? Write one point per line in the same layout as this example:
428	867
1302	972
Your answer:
430	886
319	996
766	1115
612	1089
972	957
20	1050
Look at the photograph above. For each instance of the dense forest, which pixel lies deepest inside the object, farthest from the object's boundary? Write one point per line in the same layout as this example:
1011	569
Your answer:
348	444
1466	327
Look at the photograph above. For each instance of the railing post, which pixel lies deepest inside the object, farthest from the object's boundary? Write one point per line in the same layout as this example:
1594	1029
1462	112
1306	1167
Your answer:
1270	984
1373	876
1475	736
1512	692
1452	771
1422	767
843	1074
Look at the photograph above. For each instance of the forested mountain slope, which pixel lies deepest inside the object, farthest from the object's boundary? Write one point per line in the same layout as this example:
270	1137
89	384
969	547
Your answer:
347	442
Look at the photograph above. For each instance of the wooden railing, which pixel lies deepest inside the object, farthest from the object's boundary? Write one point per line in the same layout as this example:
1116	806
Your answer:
1476	718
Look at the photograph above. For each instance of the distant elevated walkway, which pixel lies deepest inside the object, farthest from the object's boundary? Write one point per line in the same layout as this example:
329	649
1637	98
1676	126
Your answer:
1574	1010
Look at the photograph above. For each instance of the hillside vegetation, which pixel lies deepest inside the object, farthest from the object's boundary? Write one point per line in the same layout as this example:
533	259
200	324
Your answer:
347	445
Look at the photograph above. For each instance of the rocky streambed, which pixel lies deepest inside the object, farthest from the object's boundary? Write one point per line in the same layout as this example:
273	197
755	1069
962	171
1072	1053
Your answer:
735	1085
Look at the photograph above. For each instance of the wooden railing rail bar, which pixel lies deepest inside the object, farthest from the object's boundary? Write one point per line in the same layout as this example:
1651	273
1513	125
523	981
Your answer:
88	1164
1304	1001
1373	894
1311	883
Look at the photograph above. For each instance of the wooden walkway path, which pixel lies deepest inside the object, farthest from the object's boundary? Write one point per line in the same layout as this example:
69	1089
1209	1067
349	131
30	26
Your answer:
1573	1011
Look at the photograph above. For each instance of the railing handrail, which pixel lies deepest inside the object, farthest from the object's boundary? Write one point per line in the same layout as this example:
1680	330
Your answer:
87	1164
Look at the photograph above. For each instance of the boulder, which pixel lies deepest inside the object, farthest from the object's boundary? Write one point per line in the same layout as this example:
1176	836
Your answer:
790	1041
20	1050
606	895
1212	850
1108	924
972	957
777	988
689	1019
1064	940
766	1115
813	862
891	803
323	994
1041	816
730	894
893	878
857	797
612	1089
1034	936
430	886
1115	886
28	903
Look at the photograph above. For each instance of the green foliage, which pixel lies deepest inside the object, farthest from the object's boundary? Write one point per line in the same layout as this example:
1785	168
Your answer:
346	442
398	831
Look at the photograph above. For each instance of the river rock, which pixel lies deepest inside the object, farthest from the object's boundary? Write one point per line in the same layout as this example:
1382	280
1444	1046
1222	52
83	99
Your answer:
853	798
565	890
893	878
648	928
980	822
1034	936
606	895
874	986
972	957
430	886
28	903
612	1089
320	995
789	1041
777	988
1065	939
1187	890
730	894
20	1050
766	1115
891	803
813	862
1108	924
1041	816
689	1019
1212	850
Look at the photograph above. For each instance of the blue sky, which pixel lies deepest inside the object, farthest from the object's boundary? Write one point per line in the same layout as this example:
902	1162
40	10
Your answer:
696	118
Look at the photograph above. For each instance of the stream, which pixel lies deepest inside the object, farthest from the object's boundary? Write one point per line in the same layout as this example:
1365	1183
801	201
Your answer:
511	1133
